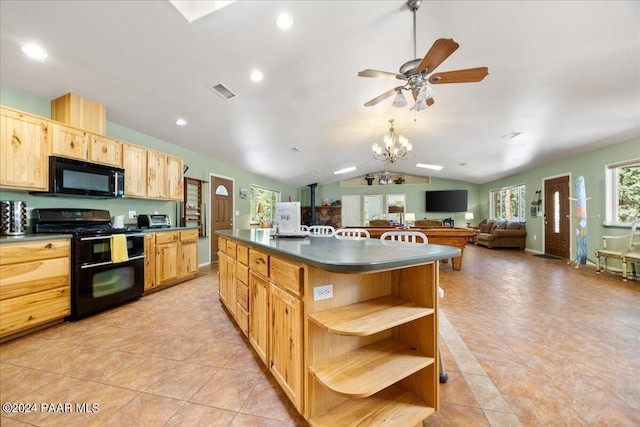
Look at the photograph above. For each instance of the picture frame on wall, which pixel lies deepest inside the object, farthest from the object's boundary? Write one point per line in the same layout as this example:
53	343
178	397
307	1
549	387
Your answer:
243	193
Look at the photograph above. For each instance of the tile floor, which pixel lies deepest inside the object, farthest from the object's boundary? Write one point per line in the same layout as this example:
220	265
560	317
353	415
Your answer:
526	342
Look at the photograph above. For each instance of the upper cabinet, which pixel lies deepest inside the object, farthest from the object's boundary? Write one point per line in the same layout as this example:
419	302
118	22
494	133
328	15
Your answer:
69	142
134	162
80	112
24	151
77	132
105	150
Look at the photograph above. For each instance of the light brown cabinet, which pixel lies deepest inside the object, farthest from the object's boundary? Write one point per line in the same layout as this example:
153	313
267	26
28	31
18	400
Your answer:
175	178
188	255
134	162
35	287
157	187
69	142
105	150
24	151
80	112
259	315
171	257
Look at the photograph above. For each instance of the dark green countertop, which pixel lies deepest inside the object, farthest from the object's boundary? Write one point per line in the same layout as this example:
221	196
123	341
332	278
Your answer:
347	256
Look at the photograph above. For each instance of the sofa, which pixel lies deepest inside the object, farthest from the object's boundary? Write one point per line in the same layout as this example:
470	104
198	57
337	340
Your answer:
502	234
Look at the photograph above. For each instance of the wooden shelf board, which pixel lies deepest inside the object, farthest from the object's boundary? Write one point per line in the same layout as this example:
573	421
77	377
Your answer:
369	317
369	369
392	407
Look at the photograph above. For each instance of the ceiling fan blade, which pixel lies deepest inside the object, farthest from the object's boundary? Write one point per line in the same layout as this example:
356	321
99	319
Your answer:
469	75
430	102
441	50
379	98
381	74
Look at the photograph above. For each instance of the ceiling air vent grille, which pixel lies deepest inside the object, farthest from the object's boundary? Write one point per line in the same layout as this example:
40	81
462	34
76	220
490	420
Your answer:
223	91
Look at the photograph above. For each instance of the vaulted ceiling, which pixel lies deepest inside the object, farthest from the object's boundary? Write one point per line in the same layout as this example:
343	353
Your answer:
563	74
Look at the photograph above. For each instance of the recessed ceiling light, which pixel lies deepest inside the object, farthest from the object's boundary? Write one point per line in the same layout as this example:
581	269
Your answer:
345	170
512	134
425	166
35	51
256	75
181	122
284	21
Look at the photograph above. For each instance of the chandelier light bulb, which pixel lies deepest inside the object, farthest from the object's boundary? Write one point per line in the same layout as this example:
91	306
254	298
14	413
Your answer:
396	147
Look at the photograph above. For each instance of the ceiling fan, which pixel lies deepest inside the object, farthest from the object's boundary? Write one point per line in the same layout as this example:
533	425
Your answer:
417	72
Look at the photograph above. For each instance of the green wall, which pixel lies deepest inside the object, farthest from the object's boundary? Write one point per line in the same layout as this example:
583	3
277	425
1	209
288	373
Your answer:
589	165
200	167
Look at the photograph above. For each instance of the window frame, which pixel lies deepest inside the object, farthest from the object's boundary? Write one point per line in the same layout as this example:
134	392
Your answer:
612	192
253	203
521	204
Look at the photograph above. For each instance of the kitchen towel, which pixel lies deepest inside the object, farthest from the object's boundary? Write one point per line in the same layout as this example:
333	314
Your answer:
119	248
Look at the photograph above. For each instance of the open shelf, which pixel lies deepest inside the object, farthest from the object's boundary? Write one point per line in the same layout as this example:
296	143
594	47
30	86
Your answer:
369	369
370	317
394	406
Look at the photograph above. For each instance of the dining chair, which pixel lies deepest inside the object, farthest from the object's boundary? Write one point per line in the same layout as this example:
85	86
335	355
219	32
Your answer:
321	231
352	234
406	238
403	237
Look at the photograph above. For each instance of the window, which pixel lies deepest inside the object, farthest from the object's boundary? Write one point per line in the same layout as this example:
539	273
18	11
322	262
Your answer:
509	203
622	183
264	200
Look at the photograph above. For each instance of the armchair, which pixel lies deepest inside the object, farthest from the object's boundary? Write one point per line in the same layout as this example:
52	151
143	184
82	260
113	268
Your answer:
627	251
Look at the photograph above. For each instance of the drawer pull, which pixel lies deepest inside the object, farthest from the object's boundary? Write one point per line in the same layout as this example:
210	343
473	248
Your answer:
260	261
48	246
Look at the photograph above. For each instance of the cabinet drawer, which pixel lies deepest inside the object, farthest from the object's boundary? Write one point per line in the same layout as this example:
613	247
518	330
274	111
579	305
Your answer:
242	273
189	235
30	310
286	274
231	249
243	254
259	262
35	276
161	238
242	317
222	245
242	295
11	253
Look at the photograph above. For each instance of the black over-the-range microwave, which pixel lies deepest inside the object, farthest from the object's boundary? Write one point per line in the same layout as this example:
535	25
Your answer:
69	177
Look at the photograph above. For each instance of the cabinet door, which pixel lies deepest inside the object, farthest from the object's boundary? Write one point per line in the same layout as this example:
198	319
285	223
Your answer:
69	142
188	258
149	261
175	179
24	151
157	175
105	150
134	162
286	343
166	263
259	314
227	283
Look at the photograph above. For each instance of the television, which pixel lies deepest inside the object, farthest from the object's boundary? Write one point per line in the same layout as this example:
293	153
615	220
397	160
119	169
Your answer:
446	201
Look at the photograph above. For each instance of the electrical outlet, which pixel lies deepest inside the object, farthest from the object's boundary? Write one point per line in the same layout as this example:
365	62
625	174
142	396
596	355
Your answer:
322	292
132	214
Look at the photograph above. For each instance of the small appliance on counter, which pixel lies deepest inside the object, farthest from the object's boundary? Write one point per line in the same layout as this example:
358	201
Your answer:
13	218
154	221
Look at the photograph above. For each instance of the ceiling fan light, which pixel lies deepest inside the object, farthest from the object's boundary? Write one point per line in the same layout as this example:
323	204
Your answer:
399	101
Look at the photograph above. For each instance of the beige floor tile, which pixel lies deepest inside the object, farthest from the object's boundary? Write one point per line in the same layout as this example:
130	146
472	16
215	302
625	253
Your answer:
216	353
227	389
196	415
183	381
267	400
143	373
145	410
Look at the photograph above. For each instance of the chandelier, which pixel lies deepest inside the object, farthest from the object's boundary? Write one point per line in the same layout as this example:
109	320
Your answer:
395	147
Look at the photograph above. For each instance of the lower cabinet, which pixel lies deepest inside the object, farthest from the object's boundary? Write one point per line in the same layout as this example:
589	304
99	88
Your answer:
227	281
35	286
171	257
259	315
286	342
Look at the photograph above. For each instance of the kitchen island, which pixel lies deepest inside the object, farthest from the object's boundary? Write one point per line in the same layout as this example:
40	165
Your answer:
349	329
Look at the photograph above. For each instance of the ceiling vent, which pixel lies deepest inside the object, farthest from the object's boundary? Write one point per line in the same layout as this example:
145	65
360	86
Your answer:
223	91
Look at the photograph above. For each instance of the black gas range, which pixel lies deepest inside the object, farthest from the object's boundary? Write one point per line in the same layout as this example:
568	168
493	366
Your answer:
106	271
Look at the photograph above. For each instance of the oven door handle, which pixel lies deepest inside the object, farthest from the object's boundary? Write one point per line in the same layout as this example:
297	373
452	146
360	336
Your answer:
84	239
101	264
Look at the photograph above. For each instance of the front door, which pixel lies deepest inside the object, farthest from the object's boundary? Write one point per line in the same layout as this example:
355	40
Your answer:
221	210
556	217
